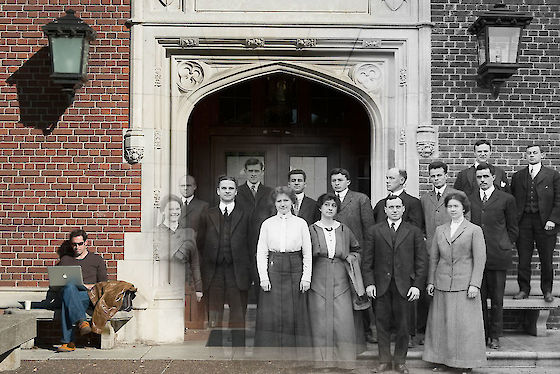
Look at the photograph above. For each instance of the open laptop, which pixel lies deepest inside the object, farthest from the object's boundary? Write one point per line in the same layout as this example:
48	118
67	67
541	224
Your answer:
59	276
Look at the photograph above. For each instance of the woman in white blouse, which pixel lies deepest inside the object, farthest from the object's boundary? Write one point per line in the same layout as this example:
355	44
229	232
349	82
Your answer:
284	266
330	297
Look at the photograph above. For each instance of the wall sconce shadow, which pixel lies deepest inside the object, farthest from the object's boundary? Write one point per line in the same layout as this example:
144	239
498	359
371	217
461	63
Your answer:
41	102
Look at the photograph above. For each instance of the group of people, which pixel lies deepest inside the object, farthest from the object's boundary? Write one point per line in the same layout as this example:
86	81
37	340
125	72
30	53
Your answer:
419	260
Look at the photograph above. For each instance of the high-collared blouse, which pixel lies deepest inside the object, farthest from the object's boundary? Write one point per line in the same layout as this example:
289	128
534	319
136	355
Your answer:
284	233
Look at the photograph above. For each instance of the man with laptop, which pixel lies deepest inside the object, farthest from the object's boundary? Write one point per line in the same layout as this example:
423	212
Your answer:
75	298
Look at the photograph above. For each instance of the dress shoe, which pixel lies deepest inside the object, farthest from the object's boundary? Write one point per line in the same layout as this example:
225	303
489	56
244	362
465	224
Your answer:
548	297
401	368
370	338
521	295
382	367
494	343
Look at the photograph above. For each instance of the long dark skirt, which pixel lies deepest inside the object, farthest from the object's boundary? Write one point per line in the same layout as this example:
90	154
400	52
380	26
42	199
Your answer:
282	316
330	304
455	331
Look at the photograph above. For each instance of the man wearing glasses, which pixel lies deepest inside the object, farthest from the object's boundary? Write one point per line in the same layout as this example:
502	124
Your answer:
75	299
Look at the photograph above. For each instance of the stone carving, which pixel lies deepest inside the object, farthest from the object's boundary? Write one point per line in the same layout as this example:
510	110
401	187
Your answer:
369	76
157	139
306	43
157	197
371	43
425	140
254	42
157	77
188	42
402	137
394	5
191	75
133	146
403	75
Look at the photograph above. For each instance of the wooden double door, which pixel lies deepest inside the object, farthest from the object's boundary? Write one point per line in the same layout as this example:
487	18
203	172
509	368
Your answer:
316	159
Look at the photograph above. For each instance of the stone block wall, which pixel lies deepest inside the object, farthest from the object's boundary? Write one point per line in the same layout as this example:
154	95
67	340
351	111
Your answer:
61	164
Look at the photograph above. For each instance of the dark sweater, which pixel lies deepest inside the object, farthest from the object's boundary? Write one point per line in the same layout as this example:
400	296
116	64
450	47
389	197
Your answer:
93	267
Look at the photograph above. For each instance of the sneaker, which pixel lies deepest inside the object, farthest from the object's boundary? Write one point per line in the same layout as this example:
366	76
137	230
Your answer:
67	347
84	327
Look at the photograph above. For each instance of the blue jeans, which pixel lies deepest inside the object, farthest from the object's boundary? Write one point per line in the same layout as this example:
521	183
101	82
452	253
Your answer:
75	302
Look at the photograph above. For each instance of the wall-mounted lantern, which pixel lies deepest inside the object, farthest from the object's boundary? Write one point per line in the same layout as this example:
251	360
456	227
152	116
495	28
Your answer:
498	34
69	39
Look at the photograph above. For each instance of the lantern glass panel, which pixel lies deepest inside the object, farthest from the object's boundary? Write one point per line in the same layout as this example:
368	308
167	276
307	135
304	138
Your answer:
481	47
503	44
67	54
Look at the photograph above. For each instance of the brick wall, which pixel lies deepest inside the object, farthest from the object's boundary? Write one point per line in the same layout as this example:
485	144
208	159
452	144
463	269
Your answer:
61	164
527	108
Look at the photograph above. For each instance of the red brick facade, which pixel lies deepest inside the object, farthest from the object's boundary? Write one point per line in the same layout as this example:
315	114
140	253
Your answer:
527	109
61	166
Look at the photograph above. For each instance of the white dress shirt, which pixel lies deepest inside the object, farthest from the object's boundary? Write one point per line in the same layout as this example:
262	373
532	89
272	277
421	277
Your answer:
397	223
488	193
455	226
534	169
342	194
284	233
230	207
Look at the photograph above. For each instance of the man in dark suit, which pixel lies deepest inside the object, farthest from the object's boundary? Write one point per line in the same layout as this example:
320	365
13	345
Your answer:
191	214
435	214
394	271
305	207
495	212
226	261
254	199
466	179
537	192
395	180
356	213
192	209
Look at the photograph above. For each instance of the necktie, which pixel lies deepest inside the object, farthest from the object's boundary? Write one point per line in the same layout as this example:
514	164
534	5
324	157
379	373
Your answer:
438	195
225	212
254	190
484	198
393	226
532	171
296	207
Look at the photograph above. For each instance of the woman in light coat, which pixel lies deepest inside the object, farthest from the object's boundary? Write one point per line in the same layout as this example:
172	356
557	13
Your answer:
455	328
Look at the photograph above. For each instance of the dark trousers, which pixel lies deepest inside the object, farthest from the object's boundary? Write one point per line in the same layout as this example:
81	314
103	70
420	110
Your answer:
493	286
223	289
391	309
531	231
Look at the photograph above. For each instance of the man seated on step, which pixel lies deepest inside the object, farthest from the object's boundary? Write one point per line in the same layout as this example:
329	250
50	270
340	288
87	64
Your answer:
75	299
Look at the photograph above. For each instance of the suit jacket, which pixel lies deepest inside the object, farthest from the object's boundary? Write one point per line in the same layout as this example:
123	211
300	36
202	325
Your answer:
192	213
412	210
309	210
257	208
210	242
466	180
498	220
407	255
458	261
548	193
435	212
356	213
